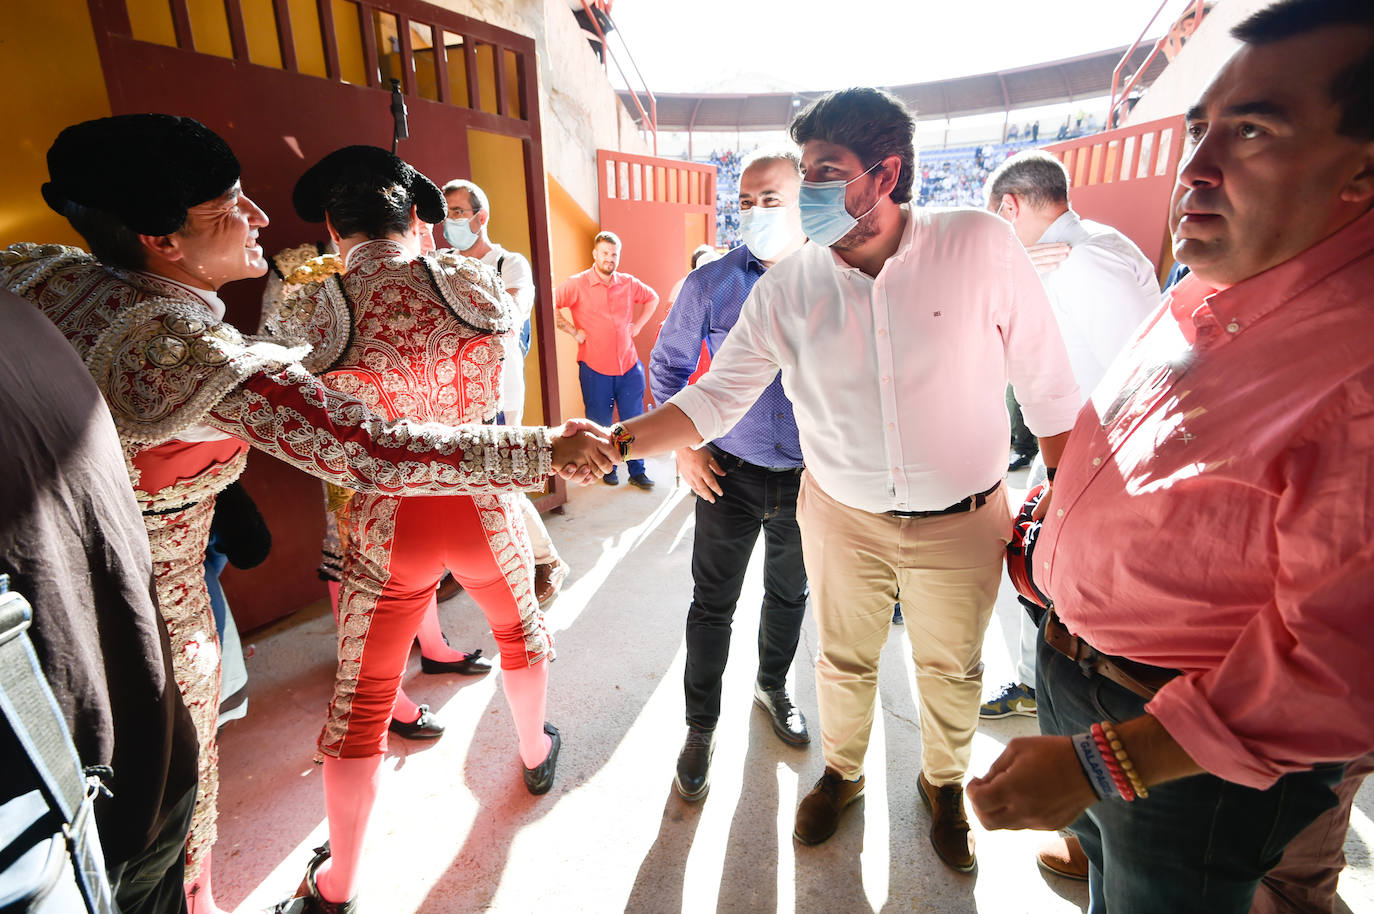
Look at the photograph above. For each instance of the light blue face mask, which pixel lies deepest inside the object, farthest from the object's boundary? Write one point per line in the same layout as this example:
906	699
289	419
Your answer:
457	233
825	220
765	231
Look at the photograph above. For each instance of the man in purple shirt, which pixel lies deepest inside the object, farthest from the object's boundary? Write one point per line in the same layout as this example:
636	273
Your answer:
747	480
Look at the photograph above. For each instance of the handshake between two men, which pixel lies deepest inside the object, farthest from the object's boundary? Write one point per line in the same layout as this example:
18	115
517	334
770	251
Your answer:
583	451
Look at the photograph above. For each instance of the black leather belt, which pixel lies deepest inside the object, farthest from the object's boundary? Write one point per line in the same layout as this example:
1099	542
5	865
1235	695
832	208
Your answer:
728	460
972	503
1140	678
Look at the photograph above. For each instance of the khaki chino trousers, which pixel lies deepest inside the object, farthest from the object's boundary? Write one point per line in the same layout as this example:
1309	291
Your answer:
946	571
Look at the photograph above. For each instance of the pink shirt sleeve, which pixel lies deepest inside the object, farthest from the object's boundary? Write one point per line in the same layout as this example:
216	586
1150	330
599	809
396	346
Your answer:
1297	687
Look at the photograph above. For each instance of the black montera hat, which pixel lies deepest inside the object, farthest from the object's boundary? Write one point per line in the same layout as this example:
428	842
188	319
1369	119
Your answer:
146	169
363	166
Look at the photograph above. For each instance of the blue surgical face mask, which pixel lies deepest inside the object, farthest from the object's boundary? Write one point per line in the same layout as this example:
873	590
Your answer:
457	233
825	220
766	231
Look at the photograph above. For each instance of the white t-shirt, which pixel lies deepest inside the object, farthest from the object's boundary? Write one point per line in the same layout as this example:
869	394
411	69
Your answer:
519	281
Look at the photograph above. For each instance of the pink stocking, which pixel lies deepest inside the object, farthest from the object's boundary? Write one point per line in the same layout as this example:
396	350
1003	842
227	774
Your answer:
200	897
525	690
334	588
432	642
350	792
404	710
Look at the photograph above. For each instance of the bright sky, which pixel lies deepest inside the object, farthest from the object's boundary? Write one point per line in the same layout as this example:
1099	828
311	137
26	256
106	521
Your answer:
800	45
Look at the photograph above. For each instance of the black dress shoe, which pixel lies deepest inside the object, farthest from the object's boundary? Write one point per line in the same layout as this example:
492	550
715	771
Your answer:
539	779
312	902
474	664
788	722
693	776
426	726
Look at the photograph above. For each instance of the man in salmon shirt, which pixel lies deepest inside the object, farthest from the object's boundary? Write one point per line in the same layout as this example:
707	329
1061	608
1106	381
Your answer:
606	309
1207	546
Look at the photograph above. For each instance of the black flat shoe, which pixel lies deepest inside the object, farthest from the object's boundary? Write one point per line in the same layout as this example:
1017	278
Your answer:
474	664
312	902
426	726
538	780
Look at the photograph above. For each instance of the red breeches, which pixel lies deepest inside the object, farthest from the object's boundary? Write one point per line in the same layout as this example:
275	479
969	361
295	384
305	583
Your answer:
398	551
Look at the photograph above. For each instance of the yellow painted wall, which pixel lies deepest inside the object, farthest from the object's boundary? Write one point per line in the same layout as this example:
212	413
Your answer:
571	232
49	91
498	168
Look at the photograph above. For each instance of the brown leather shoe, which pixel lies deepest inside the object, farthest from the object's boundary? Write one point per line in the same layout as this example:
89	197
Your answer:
949	831
448	587
548	580
819	813
1063	856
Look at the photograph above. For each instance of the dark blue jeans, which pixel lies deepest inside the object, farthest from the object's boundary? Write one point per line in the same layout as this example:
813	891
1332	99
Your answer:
755	499
603	394
1197	844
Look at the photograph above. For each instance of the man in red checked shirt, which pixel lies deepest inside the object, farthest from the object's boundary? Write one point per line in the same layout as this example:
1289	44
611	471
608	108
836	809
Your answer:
606	310
1207	546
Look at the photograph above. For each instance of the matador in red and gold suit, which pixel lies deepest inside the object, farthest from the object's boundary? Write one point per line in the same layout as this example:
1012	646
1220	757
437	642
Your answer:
189	394
419	336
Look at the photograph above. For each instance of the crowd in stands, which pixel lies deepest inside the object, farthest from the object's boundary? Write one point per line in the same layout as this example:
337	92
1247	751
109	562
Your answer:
727	196
949	177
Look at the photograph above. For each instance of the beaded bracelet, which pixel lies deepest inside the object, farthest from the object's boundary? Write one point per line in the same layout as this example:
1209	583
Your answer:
1094	766
1119	750
622	440
1104	746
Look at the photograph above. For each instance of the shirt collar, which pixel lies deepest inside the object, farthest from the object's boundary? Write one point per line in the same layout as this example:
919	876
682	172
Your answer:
376	248
1242	305
913	215
211	299
1064	229
597	277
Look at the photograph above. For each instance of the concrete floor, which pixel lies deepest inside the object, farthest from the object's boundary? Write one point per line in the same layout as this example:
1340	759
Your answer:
455	830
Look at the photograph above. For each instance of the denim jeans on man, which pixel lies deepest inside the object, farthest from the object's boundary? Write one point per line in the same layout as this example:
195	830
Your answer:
1198	844
755	498
602	394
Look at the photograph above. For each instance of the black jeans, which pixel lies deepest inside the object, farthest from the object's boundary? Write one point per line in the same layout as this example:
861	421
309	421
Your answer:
151	882
1197	844
726	530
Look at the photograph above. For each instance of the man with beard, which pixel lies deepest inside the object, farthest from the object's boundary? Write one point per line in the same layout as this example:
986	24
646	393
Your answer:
896	330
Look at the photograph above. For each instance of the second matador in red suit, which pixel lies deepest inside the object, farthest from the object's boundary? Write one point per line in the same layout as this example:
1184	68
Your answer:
418	336
158	200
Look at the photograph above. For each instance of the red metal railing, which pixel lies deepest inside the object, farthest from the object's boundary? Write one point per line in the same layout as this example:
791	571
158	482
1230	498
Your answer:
1119	98
650	118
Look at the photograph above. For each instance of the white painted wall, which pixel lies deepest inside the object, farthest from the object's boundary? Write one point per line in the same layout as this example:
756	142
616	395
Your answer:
579	111
1184	79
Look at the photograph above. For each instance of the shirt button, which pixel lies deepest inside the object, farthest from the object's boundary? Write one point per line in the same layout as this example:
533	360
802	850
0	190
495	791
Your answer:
887	380
1046	564
1232	327
891	425
1059	513
1097	461
882	333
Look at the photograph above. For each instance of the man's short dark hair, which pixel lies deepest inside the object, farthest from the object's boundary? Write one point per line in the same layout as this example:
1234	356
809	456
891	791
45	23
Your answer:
1353	87
869	123
608	237
111	241
1035	175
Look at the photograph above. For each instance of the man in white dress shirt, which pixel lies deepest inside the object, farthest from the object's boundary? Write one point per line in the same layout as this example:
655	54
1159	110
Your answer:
1100	285
896	330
